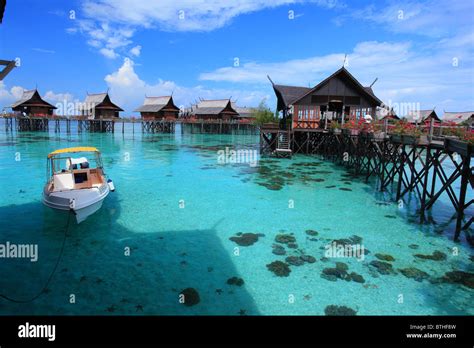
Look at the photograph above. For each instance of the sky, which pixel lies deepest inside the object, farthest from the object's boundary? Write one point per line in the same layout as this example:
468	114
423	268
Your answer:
422	52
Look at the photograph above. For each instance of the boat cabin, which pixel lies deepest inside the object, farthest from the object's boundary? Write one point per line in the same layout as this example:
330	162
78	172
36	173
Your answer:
74	173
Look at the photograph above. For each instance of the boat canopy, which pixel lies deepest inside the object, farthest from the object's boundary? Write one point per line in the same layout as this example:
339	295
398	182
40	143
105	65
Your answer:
73	150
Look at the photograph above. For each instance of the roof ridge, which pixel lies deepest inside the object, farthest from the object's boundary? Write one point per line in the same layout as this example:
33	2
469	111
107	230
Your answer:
214	99
276	84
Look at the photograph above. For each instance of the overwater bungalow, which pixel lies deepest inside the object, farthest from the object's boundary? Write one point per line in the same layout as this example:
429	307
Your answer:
464	117
99	105
245	114
385	113
33	105
158	108
338	97
422	116
214	110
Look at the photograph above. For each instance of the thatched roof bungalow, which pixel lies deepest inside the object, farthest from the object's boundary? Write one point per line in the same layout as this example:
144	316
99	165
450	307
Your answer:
158	108
33	105
338	97
214	109
464	117
99	105
422	116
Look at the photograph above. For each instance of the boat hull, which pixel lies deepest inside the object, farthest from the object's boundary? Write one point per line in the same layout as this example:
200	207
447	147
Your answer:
83	202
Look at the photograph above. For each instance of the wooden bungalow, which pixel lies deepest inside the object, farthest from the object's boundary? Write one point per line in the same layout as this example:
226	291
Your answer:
31	104
422	116
214	110
384	113
464	117
245	114
158	108
99	105
338	97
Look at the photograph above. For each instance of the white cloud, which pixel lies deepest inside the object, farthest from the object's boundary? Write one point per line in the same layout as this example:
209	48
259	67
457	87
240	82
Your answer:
8	96
108	53
110	24
55	98
94	43
407	72
434	18
185	15
128	90
135	51
42	50
63	101
310	70
103	36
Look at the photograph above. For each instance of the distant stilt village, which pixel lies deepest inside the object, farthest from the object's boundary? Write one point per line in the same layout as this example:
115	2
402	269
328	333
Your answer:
339	99
339	119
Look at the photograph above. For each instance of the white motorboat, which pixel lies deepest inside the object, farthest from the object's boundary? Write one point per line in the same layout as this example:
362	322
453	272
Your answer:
74	183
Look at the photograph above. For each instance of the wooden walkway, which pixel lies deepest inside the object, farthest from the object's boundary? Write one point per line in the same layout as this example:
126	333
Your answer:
60	124
397	163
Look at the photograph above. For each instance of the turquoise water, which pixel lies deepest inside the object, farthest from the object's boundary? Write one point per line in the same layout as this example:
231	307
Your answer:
175	207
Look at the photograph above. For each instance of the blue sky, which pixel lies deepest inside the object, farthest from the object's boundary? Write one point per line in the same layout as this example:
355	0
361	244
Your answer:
421	51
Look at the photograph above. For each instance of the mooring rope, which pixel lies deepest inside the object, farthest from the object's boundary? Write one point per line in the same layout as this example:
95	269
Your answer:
53	271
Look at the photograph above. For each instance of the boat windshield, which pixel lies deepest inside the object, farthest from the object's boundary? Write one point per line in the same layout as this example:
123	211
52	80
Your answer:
66	163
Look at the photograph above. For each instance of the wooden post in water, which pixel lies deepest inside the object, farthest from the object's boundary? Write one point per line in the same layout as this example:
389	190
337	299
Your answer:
430	137
466	170
123	122
425	183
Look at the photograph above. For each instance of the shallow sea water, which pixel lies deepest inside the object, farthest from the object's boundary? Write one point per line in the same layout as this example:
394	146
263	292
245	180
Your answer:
175	207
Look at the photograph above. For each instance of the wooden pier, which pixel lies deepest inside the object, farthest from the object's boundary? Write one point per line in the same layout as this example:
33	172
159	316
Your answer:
217	126
404	165
109	125
158	126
